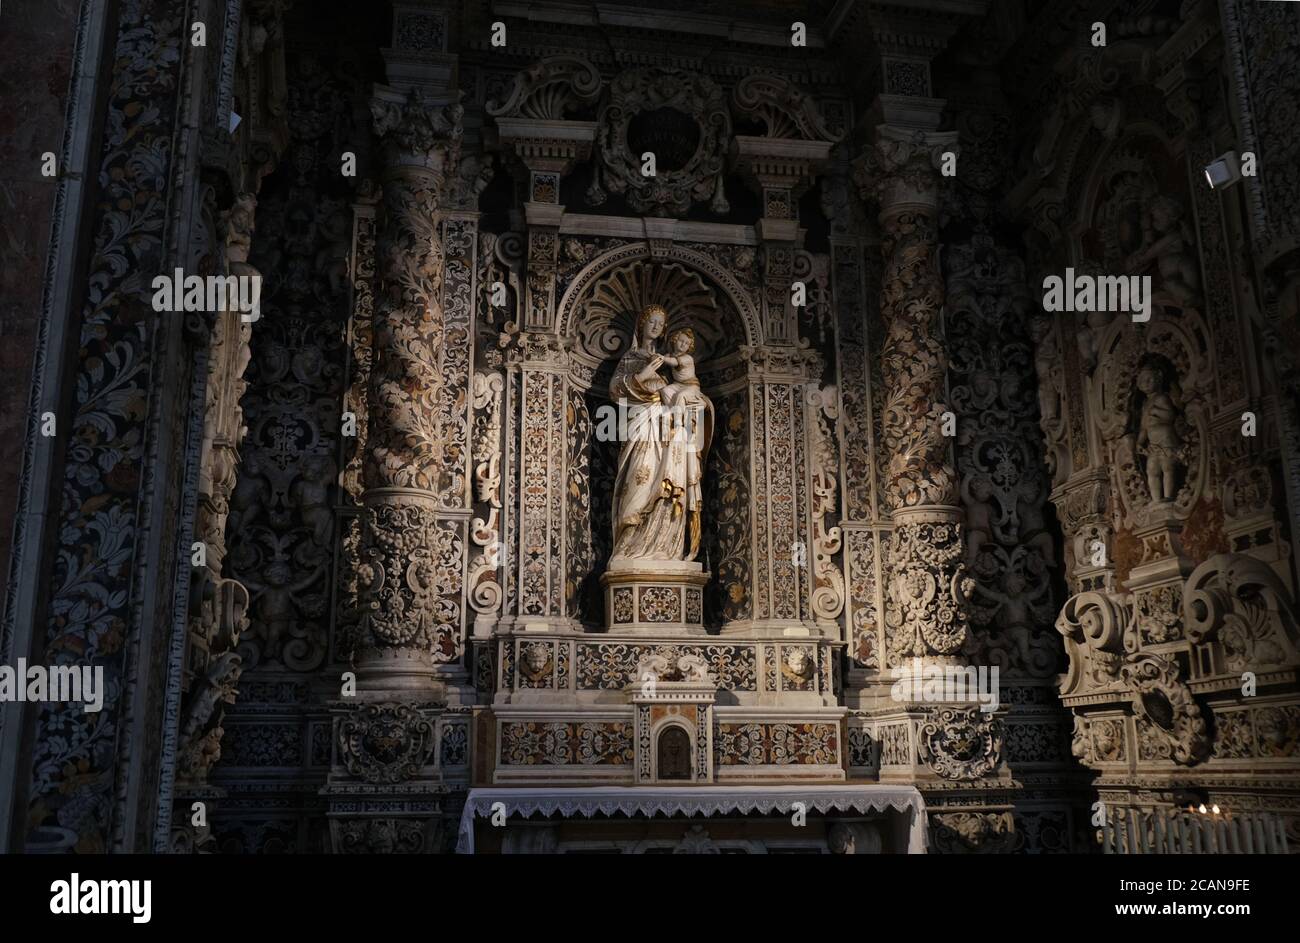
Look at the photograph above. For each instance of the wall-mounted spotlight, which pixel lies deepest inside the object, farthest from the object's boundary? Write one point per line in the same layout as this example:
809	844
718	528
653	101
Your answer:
1223	171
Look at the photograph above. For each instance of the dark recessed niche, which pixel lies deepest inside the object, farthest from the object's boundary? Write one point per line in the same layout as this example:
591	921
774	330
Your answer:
671	135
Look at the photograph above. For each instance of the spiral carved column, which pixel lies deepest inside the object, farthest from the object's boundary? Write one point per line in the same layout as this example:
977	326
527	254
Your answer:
925	614
398	576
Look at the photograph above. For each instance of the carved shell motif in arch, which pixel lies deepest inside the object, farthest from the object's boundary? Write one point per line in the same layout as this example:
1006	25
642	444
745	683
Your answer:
1178	351
550	87
608	316
783	109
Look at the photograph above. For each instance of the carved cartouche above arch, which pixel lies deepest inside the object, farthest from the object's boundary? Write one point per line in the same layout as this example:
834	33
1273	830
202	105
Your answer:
682	119
683	278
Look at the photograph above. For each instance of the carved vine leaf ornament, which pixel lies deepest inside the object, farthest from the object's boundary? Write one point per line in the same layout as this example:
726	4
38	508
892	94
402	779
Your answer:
914	366
422	144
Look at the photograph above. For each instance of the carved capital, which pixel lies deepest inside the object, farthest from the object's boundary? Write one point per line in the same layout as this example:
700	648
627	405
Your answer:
901	171
417	134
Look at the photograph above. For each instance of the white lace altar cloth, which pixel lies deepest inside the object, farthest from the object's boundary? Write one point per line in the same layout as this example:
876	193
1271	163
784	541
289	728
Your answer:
586	801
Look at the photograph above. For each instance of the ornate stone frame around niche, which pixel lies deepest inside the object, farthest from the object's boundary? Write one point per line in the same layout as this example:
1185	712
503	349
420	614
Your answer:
714	288
1178	334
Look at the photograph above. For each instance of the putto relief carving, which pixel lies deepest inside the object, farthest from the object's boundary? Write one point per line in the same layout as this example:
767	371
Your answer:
1146	231
1010	551
680	121
1154	391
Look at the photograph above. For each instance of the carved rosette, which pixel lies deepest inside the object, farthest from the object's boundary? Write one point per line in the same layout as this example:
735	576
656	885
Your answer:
926	615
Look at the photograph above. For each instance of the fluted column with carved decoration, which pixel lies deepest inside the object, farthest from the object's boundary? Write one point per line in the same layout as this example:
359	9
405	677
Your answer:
925	605
400	560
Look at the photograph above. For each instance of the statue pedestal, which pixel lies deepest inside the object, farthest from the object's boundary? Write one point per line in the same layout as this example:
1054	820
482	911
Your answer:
654	597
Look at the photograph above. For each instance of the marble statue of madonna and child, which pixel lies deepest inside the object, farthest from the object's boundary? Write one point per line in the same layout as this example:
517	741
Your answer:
657	493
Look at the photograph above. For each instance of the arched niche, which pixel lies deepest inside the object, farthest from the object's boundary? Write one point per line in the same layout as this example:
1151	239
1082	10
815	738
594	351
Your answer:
673	752
596	318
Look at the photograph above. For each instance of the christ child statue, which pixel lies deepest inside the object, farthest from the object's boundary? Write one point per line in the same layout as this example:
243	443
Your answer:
685	388
1158	434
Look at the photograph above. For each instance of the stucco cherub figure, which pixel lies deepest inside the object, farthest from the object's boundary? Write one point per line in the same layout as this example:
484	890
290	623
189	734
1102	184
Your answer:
1158	437
537	660
312	492
796	665
1167	240
274	605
